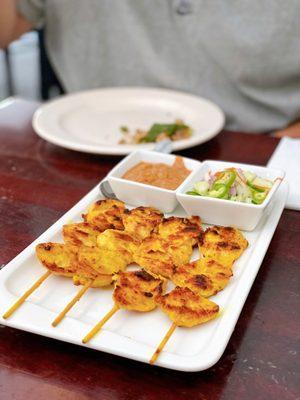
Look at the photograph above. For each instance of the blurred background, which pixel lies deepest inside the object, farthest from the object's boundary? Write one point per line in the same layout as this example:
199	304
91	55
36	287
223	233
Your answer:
25	70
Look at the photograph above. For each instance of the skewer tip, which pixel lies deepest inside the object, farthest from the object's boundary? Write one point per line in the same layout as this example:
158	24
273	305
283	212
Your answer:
22	299
162	343
97	327
154	357
68	307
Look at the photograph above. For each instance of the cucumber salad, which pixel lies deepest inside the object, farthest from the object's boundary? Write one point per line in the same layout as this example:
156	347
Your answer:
233	184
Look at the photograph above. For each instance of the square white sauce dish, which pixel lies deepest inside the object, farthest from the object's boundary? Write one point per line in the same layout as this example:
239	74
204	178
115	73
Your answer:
142	194
222	211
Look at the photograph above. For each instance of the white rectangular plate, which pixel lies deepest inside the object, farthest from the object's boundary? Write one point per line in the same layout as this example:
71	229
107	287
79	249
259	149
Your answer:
129	334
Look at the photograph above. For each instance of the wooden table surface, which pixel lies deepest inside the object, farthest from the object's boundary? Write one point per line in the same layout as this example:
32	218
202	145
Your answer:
39	182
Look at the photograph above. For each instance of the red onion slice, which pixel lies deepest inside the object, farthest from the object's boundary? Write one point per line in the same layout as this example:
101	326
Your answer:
232	191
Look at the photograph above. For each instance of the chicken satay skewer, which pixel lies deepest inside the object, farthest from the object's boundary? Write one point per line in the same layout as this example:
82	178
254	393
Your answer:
101	215
22	299
62	260
99	257
134	290
185	308
47	254
205	277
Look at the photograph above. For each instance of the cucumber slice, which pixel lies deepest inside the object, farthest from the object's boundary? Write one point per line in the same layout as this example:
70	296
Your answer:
201	187
256	188
243	191
259	197
250	176
261	183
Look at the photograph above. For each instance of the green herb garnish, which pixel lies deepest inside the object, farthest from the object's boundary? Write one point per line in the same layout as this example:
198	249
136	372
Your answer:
124	129
157	129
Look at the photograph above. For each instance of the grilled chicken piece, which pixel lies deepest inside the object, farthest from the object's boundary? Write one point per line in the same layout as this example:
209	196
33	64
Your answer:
204	277
186	308
99	280
81	234
106	214
160	257
120	242
61	259
222	244
103	260
225	234
180	253
136	290
153	256
176	230
171	245
141	221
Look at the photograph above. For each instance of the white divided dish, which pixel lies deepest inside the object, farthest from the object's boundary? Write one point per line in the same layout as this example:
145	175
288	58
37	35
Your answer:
129	334
225	212
139	194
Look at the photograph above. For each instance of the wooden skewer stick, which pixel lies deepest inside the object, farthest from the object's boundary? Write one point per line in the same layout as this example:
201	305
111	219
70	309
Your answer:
68	307
163	343
97	327
21	300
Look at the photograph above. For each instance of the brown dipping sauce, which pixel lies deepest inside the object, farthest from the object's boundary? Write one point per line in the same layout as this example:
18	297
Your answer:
161	175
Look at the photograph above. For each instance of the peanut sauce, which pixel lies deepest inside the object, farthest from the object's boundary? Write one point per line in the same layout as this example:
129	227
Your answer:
160	175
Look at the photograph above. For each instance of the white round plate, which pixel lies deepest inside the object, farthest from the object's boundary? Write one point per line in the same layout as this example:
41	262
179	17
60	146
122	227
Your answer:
90	121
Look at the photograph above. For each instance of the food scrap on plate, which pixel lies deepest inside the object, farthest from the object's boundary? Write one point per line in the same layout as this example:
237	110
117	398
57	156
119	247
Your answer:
157	132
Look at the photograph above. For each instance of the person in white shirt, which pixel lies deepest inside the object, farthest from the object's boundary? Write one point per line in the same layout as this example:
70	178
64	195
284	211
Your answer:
243	55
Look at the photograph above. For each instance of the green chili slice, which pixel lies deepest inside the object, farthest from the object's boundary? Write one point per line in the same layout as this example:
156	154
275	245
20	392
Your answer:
157	129
258	197
220	191
226	178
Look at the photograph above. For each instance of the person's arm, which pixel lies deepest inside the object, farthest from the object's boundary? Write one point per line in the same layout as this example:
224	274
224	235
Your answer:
12	23
291	131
